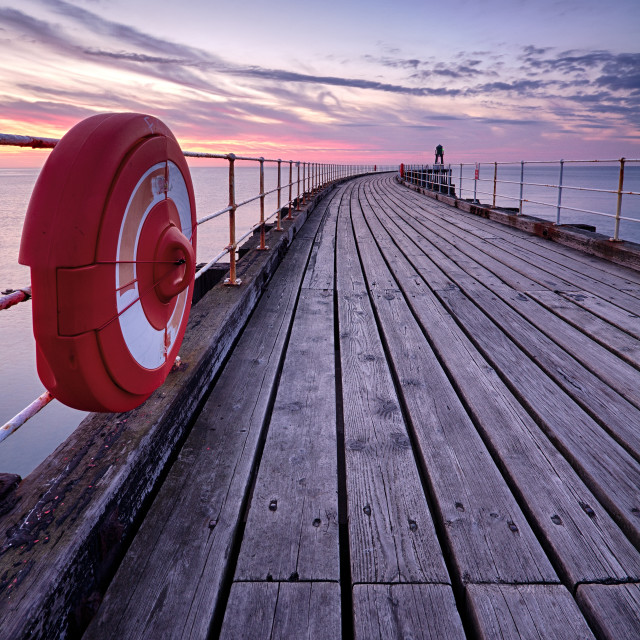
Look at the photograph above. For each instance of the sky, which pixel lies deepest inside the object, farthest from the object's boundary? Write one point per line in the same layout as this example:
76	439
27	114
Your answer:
334	81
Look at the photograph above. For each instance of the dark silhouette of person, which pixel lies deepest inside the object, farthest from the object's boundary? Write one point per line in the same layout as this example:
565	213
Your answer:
440	153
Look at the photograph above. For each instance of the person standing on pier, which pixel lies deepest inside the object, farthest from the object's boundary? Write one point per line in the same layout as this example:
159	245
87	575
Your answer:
440	154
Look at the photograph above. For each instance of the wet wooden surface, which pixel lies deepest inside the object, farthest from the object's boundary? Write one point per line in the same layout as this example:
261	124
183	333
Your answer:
430	428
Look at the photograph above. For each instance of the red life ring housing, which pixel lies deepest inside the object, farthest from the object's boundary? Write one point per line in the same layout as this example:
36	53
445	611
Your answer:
110	236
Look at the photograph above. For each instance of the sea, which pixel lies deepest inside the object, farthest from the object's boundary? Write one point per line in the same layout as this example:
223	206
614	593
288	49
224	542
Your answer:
26	448
23	450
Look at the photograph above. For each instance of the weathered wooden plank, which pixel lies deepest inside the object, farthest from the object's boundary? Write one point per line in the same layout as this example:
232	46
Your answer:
525	611
602	460
184	544
89	494
282	611
613	610
622	344
619	276
538	370
476	518
292	529
320	270
580	281
552	275
624	253
607	366
400	611
624	379
489	537
459	265
517	279
624	320
607	287
555	499
609	273
391	533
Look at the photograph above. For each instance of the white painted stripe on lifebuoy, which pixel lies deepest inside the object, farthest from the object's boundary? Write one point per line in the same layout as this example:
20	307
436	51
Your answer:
147	345
178	192
144	341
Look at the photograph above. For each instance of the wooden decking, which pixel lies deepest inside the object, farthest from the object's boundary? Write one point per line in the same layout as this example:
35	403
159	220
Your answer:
429	428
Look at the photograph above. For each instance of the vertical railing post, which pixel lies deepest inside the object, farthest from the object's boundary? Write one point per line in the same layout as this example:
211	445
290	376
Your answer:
460	187
232	280
521	185
495	181
559	206
262	246
278	225
290	207
619	202
304	182
476	176
298	199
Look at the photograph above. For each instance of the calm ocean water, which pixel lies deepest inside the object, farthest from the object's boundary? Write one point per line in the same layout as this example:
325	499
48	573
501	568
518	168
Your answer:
26	448
19	383
593	176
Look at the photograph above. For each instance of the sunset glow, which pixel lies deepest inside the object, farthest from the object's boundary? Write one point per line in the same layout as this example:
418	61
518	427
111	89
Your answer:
366	82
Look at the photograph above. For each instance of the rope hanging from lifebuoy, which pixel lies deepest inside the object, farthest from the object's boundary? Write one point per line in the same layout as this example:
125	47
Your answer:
110	239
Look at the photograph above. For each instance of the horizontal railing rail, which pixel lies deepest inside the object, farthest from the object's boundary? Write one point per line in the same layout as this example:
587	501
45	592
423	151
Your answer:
432	176
305	179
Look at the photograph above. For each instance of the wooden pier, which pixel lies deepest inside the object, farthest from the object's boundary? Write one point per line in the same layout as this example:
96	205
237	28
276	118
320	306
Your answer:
428	428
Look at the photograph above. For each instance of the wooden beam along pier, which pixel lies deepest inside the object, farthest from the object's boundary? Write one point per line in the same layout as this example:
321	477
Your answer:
428	426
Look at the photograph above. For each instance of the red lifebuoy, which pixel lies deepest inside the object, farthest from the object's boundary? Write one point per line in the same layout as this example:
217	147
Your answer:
402	169
110	236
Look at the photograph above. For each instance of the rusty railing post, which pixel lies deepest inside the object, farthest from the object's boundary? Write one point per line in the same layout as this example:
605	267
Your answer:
559	206
298	200
619	202
495	181
475	183
304	182
290	207
232	280
278	225
263	246
521	185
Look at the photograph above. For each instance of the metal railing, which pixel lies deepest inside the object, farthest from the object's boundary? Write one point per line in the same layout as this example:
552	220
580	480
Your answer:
306	179
435	177
506	181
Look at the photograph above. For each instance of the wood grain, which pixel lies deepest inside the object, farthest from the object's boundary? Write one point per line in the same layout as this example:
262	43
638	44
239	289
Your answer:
391	533
282	611
613	610
417	611
292	529
526	611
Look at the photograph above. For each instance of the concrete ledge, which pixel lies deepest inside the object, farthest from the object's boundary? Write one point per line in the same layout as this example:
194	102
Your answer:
68	524
623	252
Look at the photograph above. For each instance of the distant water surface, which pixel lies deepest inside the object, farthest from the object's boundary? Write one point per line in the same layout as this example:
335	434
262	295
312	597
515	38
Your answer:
26	448
22	451
594	176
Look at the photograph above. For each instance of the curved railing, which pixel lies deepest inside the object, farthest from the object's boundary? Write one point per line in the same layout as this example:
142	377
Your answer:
305	179
505	181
